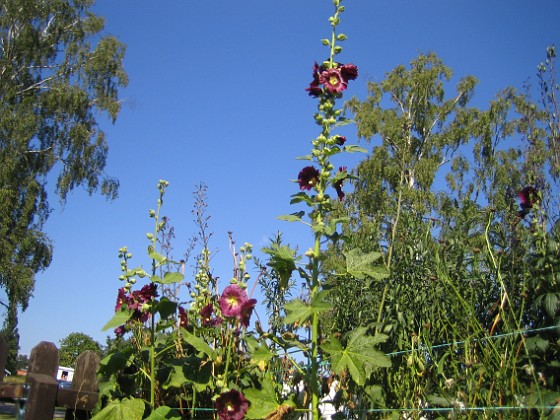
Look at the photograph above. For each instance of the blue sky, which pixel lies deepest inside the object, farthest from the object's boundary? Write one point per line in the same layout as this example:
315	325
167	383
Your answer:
216	95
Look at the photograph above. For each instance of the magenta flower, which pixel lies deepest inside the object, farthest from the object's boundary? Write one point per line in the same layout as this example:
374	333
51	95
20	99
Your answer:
308	177
119	331
232	301
333	80
232	405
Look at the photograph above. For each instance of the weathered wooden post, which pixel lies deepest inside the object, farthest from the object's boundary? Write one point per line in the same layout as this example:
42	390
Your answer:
83	395
41	374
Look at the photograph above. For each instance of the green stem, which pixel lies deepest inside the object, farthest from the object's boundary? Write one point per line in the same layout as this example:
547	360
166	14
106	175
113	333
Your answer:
315	331
229	343
152	364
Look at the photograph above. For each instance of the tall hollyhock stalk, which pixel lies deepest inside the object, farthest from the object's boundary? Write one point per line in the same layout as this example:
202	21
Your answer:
330	79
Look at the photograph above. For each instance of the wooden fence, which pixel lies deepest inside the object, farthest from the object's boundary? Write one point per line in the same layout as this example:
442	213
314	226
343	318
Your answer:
37	398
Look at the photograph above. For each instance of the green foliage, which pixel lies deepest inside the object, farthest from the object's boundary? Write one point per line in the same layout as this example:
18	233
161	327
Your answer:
126	409
75	344
468	269
58	73
358	357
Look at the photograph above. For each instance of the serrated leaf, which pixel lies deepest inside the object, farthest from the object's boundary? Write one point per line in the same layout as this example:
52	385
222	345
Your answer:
299	311
125	409
361	264
359	357
536	344
120	318
264	401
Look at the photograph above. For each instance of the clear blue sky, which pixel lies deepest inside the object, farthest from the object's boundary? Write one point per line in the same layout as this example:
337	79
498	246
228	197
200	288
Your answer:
216	95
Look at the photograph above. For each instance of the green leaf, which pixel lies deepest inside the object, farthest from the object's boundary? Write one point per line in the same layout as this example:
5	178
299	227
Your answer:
172	277
166	307
200	345
301	196
118	319
359	357
299	311
155	255
261	355
294	217
156	279
125	409
354	149
361	264
264	401
164	413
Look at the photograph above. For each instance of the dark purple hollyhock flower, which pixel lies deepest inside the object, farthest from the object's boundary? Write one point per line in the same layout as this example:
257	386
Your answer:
338	185
148	292
528	196
314	88
232	405
340	140
121	299
333	80
308	177
246	311
206	314
349	72
183	318
119	331
232	300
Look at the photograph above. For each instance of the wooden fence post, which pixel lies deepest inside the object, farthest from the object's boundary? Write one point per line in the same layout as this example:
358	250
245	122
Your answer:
84	387
41	374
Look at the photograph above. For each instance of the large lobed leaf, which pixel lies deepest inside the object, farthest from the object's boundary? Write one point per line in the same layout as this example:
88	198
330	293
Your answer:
359	357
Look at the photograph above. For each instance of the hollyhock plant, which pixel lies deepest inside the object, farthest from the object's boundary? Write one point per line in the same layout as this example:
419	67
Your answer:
232	405
308	177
